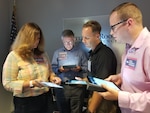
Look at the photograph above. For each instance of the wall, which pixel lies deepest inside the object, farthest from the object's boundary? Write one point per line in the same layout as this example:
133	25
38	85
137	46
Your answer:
5	97
49	14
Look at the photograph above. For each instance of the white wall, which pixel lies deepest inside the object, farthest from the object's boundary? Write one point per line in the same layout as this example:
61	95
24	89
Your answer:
49	14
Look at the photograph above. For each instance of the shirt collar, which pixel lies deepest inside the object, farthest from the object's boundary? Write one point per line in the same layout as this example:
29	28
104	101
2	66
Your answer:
140	40
92	52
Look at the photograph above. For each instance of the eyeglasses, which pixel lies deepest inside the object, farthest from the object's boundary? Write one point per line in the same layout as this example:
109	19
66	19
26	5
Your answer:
68	43
113	26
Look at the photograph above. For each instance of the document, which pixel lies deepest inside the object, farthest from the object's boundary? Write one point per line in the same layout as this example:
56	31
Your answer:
50	84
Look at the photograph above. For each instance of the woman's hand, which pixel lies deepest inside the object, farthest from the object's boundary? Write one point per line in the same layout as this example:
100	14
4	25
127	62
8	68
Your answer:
37	83
56	80
32	83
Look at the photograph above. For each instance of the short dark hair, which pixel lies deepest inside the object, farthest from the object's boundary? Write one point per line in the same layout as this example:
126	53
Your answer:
67	32
96	27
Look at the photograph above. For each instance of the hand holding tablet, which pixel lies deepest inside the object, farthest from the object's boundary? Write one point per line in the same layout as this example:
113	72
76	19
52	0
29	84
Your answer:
95	84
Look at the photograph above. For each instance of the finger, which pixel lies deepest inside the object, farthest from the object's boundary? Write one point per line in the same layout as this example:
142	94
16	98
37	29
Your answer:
57	80
38	83
106	87
109	89
109	78
102	94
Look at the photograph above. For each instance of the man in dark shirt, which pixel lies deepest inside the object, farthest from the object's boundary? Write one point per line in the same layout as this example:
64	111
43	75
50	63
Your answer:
102	63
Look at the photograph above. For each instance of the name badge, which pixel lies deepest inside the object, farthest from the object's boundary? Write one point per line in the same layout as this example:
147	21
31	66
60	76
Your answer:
89	65
62	55
131	63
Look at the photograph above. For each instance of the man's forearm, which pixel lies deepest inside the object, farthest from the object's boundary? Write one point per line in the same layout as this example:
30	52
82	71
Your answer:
94	102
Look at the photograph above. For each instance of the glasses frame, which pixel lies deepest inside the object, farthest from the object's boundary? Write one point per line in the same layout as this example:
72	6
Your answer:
113	26
68	43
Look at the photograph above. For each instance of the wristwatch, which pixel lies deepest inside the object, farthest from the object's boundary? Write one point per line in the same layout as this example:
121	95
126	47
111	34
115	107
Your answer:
31	84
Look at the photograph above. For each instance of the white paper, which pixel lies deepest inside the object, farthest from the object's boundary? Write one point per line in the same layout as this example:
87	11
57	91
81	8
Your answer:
50	84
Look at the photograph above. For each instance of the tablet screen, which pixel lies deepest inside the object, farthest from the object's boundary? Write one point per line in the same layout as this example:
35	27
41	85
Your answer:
69	66
99	82
77	82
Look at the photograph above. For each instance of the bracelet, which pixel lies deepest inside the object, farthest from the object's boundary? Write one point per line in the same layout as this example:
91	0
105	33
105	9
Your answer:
31	84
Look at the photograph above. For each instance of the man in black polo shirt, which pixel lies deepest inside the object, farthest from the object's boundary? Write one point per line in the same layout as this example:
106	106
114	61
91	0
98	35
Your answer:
102	63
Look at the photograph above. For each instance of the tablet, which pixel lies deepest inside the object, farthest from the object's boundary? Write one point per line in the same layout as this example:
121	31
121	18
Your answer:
76	82
50	84
95	84
69	66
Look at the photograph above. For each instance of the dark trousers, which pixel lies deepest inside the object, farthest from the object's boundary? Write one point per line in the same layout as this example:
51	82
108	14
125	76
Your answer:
70	99
37	104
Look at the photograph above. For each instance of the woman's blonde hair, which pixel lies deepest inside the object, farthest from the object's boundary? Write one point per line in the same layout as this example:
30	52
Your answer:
25	39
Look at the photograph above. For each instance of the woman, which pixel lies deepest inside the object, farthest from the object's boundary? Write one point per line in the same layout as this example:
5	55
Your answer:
25	67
